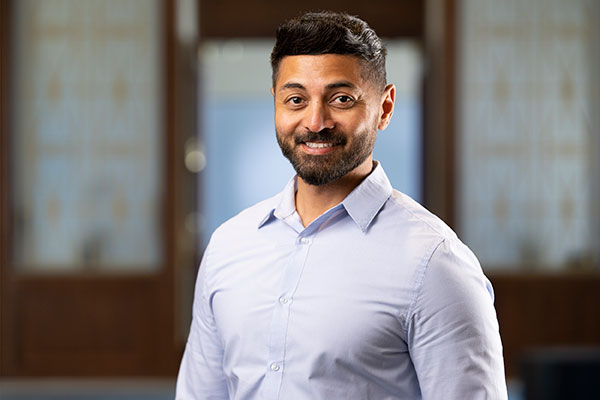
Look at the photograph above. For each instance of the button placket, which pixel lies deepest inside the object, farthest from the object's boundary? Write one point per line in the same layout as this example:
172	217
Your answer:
281	313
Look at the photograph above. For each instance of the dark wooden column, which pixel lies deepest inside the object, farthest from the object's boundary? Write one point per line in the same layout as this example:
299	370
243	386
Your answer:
439	114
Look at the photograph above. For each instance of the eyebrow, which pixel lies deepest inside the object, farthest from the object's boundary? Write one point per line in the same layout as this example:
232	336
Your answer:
334	85
291	85
341	84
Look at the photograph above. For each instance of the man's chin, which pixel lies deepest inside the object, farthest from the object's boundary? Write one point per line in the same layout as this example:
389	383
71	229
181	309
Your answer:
319	176
314	180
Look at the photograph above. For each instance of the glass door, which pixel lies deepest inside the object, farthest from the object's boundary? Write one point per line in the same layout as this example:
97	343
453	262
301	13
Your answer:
87	281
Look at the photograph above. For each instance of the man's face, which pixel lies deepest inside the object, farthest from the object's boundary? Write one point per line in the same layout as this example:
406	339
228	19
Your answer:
327	115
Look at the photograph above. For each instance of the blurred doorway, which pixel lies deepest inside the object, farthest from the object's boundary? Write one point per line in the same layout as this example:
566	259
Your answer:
87	248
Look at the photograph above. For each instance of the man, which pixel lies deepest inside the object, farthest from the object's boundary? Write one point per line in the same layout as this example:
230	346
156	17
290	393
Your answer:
339	287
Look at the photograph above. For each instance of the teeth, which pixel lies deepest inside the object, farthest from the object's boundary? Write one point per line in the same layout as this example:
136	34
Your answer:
320	145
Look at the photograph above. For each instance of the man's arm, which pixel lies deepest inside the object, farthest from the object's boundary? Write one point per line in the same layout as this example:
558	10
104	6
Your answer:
201	373
453	334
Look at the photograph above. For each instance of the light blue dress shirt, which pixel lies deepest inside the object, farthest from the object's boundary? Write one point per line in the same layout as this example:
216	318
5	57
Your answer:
375	299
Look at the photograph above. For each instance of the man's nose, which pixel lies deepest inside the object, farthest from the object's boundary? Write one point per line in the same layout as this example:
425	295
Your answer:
318	118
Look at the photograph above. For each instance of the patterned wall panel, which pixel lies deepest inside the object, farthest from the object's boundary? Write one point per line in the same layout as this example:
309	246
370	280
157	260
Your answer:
527	70
87	133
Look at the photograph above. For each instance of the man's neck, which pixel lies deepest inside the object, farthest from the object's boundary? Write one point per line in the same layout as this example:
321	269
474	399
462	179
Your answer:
312	201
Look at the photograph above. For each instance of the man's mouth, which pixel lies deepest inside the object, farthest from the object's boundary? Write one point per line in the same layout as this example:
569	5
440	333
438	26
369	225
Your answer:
319	148
319	145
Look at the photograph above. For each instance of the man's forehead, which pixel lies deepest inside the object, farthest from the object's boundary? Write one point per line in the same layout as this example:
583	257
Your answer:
326	70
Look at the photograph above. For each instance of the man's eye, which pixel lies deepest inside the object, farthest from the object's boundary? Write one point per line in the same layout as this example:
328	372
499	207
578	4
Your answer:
295	100
345	100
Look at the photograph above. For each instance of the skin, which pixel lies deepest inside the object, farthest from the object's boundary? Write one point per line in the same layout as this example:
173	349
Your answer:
317	92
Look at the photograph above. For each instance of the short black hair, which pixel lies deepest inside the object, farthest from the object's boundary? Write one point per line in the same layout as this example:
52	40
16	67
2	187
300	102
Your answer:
328	32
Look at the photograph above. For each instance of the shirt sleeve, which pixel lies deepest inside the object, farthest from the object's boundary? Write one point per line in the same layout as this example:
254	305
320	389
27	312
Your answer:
201	374
453	334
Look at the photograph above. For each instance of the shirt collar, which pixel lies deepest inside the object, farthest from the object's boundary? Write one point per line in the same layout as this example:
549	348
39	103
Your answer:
362	204
365	201
286	205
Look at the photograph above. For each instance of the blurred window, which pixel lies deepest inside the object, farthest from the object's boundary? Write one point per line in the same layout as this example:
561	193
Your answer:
87	134
244	163
528	150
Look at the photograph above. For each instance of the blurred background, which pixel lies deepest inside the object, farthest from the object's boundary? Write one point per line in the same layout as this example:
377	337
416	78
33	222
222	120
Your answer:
130	129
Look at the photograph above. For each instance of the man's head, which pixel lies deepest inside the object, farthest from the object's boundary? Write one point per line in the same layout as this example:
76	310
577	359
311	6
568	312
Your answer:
330	97
329	32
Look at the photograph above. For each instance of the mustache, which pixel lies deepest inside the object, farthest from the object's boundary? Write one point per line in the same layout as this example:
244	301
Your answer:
329	135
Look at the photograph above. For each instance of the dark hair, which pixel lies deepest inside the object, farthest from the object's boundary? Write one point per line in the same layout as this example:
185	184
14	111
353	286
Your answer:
330	32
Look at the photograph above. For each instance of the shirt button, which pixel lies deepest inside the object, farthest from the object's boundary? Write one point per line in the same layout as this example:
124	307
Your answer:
275	367
283	300
304	240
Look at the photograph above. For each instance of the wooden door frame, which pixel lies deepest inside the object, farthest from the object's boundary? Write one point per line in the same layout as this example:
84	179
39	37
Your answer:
259	18
432	23
162	285
439	116
4	162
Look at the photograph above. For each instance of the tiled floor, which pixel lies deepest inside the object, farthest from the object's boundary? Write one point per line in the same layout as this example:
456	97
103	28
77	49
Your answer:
97	389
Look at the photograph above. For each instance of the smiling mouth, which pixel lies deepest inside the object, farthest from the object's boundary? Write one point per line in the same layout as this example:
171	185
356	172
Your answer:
319	145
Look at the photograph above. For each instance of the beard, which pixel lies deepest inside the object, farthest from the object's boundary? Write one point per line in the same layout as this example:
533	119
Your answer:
326	168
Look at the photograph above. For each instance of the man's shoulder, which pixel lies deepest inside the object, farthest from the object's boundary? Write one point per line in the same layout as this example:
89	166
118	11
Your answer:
404	211
421	229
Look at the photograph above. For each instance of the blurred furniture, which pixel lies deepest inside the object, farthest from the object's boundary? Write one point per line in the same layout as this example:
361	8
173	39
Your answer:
561	373
546	310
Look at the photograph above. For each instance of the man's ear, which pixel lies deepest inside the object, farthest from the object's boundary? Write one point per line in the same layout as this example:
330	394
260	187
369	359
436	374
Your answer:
387	106
273	92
